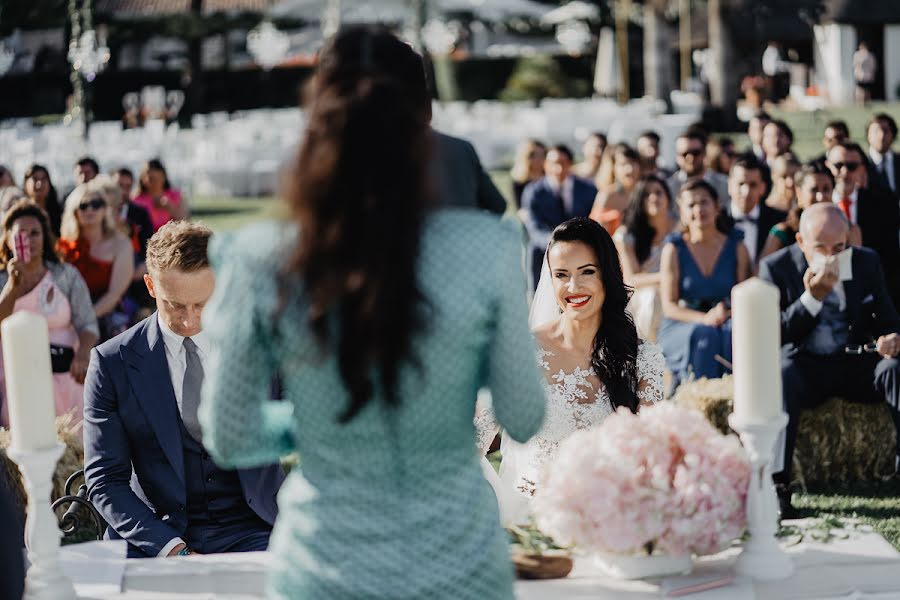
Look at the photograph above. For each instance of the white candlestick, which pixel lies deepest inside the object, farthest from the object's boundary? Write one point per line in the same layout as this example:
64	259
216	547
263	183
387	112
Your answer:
756	343
29	382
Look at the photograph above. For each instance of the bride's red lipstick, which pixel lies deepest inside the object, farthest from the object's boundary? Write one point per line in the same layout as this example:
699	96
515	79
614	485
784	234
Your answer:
578	304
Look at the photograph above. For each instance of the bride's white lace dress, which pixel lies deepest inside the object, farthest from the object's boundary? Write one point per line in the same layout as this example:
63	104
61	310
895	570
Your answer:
576	399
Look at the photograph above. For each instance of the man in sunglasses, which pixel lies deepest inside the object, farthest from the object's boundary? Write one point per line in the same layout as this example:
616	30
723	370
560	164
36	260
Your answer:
840	332
870	207
690	155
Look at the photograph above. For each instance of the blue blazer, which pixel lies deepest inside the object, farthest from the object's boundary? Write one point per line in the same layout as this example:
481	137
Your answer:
544	211
869	306
133	455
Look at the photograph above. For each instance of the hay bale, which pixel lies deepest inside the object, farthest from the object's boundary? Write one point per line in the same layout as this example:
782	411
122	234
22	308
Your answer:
69	433
837	441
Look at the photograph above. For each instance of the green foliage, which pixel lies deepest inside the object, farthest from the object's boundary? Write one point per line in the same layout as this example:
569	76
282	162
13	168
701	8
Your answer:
530	539
539	77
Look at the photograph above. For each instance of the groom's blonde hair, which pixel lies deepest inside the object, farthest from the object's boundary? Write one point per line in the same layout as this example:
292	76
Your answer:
180	245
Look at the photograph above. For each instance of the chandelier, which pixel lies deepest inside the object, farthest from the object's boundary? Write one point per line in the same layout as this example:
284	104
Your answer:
87	55
267	45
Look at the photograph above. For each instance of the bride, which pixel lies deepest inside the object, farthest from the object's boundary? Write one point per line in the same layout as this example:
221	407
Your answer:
590	354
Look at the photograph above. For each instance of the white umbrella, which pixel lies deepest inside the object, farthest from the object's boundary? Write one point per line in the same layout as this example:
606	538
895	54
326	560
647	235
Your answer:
577	10
392	11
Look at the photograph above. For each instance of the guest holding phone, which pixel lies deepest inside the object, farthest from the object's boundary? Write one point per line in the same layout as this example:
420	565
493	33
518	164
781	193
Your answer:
158	197
33	279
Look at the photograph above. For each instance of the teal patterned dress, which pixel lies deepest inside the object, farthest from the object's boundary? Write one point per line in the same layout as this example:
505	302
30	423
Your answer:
393	504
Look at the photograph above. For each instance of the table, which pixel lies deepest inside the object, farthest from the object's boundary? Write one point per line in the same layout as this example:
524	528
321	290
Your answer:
864	566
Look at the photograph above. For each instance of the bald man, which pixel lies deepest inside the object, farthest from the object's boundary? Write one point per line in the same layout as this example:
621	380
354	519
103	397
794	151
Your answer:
839	328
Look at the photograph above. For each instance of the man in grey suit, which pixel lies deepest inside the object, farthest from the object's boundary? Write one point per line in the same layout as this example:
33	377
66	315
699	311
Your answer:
458	178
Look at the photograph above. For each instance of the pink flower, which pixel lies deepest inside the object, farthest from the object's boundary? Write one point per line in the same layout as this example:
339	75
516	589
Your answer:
664	477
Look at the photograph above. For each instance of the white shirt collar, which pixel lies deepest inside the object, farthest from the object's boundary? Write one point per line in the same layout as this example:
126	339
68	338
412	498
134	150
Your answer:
835	197
877	157
557	187
736	212
174	342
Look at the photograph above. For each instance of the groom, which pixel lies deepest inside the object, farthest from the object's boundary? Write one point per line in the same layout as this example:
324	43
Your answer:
147	471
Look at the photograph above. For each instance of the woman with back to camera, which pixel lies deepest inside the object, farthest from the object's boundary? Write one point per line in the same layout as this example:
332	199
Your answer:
385	318
589	350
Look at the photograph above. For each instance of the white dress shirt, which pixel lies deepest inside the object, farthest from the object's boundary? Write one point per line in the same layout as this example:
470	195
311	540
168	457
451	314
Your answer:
176	357
885	164
567	193
751	230
836	198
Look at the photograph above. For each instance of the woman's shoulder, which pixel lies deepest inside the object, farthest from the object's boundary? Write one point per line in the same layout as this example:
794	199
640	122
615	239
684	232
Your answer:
649	352
676	238
262	245
63	273
473	230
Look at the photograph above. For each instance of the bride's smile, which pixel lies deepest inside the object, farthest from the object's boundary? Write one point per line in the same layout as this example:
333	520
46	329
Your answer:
577	280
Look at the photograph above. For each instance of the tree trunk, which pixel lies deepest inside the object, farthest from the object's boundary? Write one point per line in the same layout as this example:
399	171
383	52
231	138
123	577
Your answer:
723	82
196	92
658	73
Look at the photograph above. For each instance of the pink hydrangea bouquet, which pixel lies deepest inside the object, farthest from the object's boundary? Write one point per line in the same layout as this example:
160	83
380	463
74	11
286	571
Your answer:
661	482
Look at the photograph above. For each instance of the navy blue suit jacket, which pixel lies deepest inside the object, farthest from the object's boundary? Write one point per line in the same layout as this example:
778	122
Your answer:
544	211
133	455
869	307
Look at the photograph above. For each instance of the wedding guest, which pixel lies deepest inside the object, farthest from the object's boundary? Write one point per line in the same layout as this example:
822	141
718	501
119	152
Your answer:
9	196
698	269
457	177
783	195
91	242
125	178
835	132
86	168
885	163
690	154
54	290
720	155
528	167
865	66
755	129
12	551
158	197
826	322
647	147
133	220
141	424
380	333
40	190
777	140
813	185
612	200
549	201
6	177
748	213
648	221
872	208
593	360
592	150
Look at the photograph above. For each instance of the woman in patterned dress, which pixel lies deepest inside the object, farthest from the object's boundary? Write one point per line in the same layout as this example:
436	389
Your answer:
589	351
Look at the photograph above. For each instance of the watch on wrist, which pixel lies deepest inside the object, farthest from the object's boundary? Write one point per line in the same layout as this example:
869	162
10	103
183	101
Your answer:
184	552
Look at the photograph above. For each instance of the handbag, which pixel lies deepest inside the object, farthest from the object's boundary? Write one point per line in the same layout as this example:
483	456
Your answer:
61	358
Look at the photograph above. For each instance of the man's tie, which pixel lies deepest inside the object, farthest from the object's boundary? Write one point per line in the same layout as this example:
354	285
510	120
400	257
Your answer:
190	391
746	219
844	205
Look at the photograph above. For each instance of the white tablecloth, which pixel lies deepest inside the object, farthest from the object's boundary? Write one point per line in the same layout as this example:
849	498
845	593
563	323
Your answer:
864	566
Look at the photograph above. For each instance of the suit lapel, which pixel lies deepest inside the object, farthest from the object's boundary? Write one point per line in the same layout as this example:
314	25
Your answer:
852	291
800	266
152	385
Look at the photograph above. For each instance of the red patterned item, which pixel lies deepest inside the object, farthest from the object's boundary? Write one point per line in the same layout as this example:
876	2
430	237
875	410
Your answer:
22	247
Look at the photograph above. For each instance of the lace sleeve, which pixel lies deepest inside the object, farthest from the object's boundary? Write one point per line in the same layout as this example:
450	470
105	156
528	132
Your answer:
486	427
650	365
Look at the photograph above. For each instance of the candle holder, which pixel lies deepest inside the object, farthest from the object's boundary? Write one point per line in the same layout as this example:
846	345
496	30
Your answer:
762	558
45	580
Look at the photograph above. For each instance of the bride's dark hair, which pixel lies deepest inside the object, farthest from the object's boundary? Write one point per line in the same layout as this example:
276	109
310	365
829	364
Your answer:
358	194
614	353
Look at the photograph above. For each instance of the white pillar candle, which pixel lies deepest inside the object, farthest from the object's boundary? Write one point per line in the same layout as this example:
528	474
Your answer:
756	345
29	381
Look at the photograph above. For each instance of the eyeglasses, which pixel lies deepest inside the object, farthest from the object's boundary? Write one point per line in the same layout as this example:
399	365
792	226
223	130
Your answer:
851	166
694	152
93	204
861	348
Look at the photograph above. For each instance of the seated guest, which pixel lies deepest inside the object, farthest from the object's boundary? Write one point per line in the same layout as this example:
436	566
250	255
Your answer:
828	317
102	254
690	154
783	195
873	208
699	268
612	200
39	188
777	140
836	132
6	177
141	399
720	155
56	291
592	149
639	241
755	129
158	197
813	185
885	163
647	147
528	167
85	169
747	211
549	201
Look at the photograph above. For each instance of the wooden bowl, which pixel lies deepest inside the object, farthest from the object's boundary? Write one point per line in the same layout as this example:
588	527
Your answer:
554	564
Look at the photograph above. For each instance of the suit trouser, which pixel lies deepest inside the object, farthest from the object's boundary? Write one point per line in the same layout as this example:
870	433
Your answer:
808	380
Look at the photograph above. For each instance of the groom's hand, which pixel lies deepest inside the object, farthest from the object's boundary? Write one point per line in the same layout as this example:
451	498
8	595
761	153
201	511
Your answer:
888	345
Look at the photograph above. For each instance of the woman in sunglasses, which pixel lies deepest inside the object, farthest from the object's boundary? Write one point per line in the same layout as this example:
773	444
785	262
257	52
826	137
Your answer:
102	254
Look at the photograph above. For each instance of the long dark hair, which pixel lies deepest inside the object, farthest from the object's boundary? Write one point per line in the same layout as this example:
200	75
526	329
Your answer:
614	352
52	196
636	220
359	196
154	164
